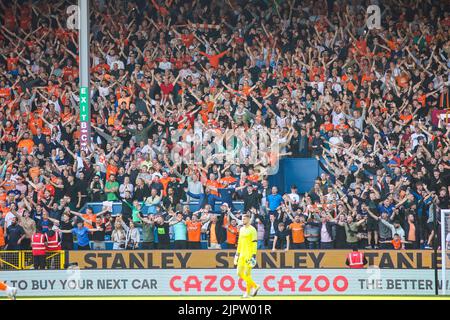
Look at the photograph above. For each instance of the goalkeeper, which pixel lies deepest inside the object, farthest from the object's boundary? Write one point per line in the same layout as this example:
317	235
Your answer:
245	257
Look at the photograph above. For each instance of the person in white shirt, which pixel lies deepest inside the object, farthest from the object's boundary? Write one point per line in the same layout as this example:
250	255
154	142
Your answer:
111	57
165	65
294	196
337	115
334	141
120	64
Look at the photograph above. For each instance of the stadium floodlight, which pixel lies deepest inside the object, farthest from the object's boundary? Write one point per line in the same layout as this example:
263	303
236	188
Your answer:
445	244
84	32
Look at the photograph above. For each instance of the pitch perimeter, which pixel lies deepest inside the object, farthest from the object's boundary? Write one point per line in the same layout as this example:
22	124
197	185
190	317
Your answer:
237	298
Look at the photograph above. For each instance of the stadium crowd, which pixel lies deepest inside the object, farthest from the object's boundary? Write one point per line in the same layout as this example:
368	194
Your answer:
367	103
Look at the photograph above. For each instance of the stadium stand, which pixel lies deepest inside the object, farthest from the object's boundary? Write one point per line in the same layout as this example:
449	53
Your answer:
368	108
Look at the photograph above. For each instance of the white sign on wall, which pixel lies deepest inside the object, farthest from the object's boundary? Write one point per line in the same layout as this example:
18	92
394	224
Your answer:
216	282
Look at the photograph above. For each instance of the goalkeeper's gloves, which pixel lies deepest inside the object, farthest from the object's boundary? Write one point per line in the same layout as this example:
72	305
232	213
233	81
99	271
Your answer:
236	258
252	261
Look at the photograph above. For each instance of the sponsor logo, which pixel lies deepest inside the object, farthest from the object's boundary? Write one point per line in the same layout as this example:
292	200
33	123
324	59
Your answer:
271	283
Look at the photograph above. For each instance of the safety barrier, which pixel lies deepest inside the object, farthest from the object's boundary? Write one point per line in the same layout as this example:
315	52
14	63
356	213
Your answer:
11	260
23	260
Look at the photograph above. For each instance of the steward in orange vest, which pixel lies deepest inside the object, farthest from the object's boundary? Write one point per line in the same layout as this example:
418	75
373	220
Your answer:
356	259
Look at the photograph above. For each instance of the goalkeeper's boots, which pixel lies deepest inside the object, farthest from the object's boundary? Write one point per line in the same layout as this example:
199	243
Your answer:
12	293
255	290
245	295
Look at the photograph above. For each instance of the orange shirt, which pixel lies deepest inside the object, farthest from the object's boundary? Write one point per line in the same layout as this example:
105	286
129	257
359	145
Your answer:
35	123
253	178
362	46
127	101
46	131
297	232
2	238
28	144
91	218
12	63
406	118
246	90
69	72
112	119
34	172
232	233
101	67
5	92
422	100
66	116
397	244
215	184
110	169
392	45
212	234
358	102
204	113
366	77
4	211
314	71
350	86
194	231
229	180
187	39
165	183
327	126
341	127
9	185
214	60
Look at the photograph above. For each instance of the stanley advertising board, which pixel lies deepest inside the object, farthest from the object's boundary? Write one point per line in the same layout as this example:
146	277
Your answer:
223	259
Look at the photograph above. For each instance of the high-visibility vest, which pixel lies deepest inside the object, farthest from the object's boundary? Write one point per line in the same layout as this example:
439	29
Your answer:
53	242
38	244
356	260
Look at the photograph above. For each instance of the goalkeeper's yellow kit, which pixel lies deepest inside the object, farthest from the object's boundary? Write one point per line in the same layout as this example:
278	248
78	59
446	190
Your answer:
247	245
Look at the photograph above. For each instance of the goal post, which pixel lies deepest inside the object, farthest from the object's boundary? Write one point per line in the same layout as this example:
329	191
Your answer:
445	242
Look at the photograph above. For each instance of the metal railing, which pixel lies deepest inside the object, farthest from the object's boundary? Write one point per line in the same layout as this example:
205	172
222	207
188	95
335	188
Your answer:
23	260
